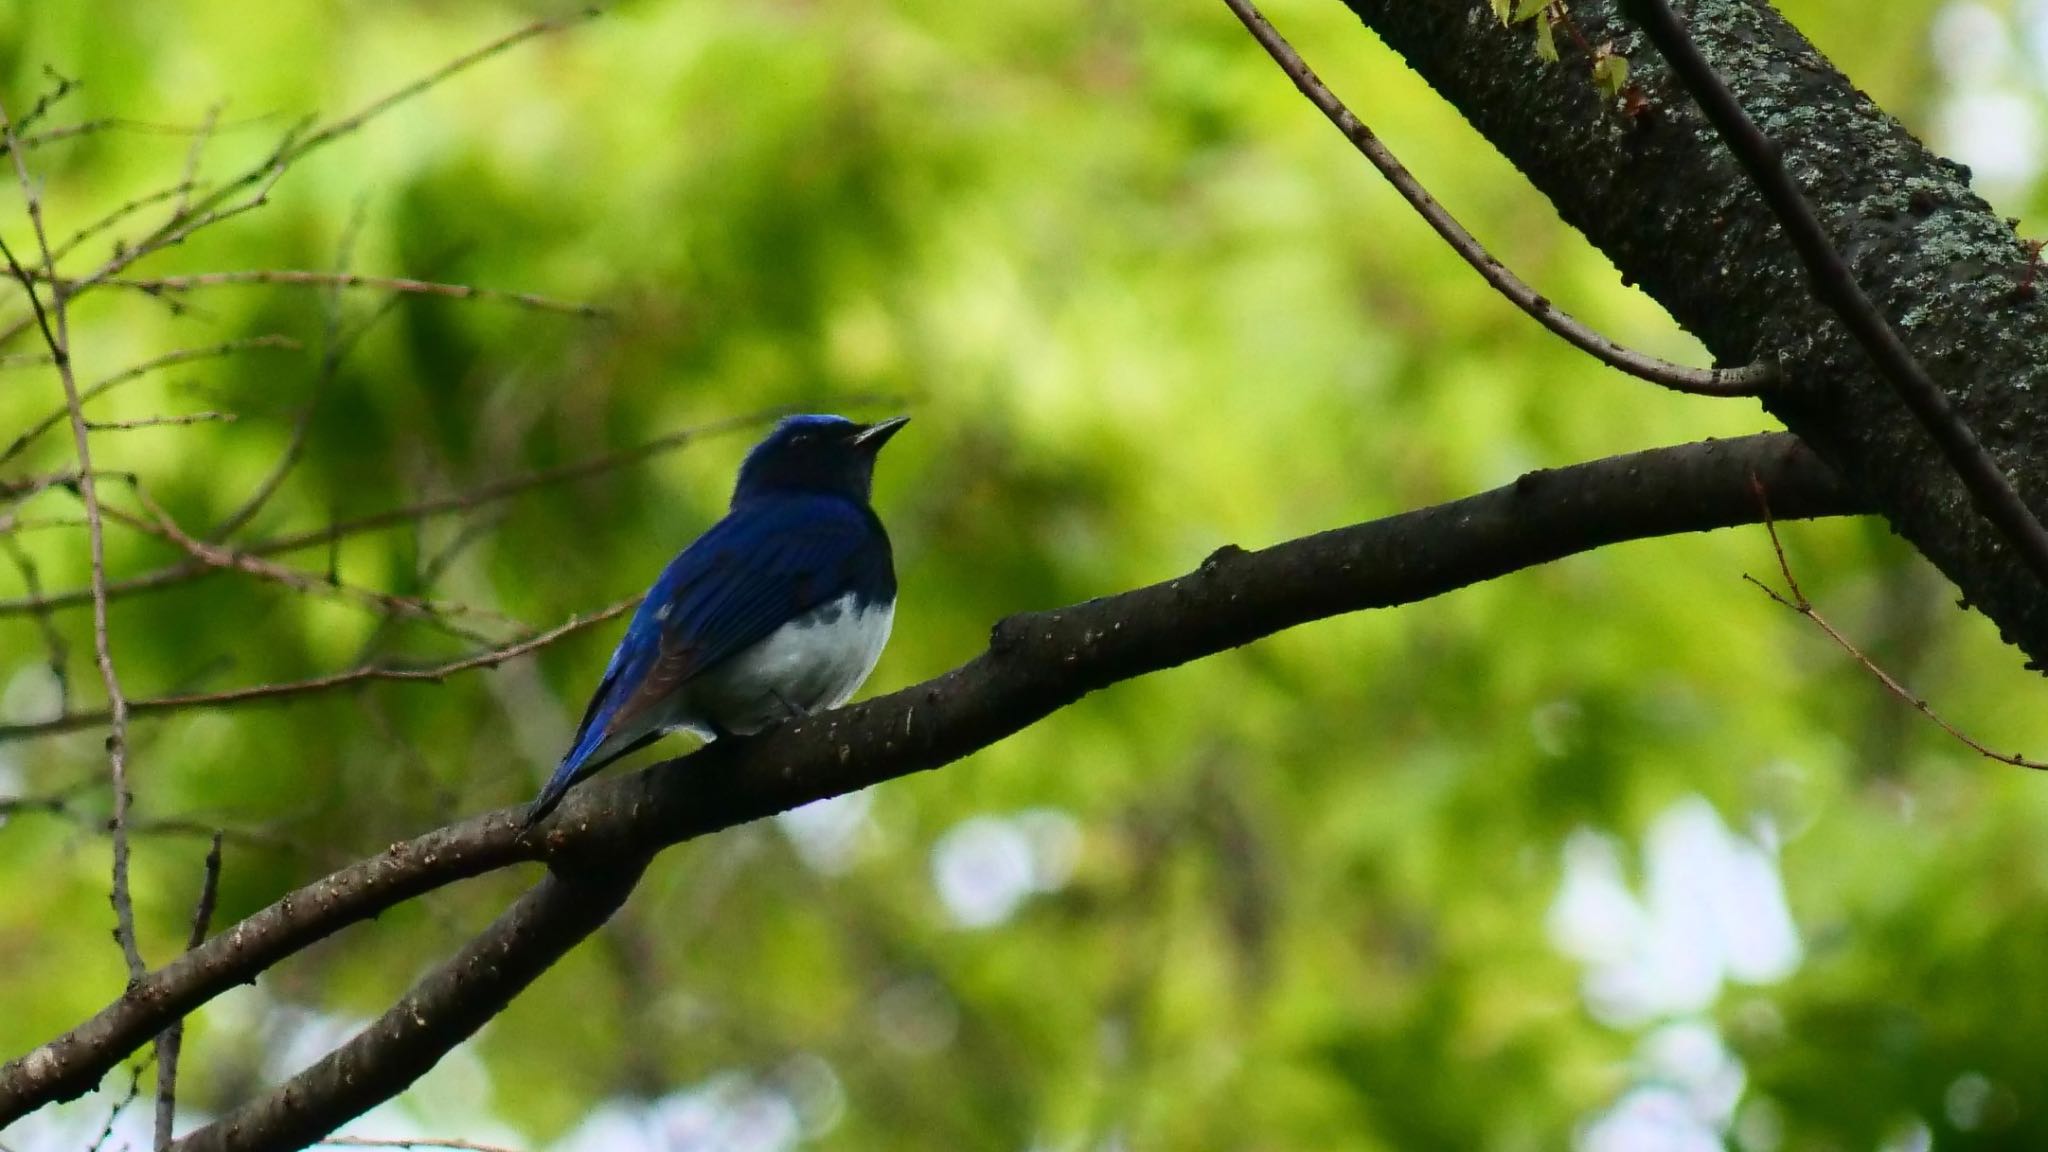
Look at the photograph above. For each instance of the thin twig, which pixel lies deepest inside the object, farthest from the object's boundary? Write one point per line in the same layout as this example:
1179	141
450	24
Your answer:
373	1142
271	693
53	640
1798	602
175	284
478	497
63	803
172	1042
1835	285
157	522
160	422
33	141
135	371
335	346
298	144
192	154
55	326
130	208
1745	381
214	206
60	87
128	1096
156	242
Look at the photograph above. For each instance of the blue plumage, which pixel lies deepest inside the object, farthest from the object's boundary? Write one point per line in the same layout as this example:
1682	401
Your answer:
782	607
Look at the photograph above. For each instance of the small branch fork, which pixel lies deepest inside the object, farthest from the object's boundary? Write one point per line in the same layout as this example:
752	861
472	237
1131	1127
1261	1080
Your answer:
1835	285
1751	380
1796	600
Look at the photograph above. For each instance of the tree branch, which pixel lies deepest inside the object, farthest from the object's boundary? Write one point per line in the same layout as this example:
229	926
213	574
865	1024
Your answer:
291	689
1035	664
172	1042
441	1011
1745	381
180	573
1836	287
55	326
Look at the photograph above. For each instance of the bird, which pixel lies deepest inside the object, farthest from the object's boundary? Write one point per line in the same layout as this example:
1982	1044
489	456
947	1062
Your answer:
778	610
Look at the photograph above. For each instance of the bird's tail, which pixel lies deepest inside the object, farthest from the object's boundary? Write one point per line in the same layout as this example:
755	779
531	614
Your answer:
575	766
550	795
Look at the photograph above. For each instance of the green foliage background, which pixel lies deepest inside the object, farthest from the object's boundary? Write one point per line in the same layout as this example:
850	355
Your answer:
1142	301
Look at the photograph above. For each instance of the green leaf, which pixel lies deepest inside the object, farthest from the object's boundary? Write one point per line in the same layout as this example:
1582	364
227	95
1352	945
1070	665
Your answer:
1610	74
1502	9
1546	44
1528	9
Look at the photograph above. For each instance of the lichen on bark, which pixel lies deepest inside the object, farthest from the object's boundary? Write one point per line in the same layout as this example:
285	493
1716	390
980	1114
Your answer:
1668	204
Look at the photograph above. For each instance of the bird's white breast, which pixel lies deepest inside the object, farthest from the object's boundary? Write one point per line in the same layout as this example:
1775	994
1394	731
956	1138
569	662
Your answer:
815	661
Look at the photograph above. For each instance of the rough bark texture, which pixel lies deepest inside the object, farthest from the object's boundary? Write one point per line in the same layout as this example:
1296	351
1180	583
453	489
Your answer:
1667	203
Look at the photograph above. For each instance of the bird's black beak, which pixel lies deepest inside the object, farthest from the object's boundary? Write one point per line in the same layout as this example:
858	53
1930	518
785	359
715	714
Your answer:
877	434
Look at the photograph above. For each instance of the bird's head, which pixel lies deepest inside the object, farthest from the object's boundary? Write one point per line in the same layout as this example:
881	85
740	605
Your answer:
829	454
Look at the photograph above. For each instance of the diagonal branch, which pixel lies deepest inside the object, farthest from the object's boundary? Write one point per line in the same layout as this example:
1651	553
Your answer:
1745	381
442	1010
1035	664
1835	285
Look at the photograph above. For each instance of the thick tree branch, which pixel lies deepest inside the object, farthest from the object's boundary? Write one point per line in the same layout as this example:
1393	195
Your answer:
1836	286
441	1011
1665	200
1035	664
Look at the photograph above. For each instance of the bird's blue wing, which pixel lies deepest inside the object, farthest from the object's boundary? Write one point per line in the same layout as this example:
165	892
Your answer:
750	573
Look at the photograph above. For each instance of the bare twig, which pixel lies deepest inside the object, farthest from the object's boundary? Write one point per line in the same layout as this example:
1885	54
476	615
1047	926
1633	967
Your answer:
1835	285
1745	381
372	1142
1798	602
160	421
218	204
128	1096
14	525
98	124
156	242
273	693
176	284
100	387
172	1041
114	217
157	522
55	326
64	804
192	154
335	345
60	87
53	640
478	497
